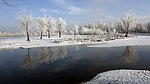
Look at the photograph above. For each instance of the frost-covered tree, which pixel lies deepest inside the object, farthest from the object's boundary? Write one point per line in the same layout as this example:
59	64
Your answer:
119	27
50	24
40	25
140	28
148	27
76	30
100	25
129	21
93	28
84	30
25	21
61	23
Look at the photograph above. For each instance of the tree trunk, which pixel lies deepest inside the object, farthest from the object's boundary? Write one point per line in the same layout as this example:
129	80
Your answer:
48	33
28	39
127	31
41	36
59	34
126	34
74	34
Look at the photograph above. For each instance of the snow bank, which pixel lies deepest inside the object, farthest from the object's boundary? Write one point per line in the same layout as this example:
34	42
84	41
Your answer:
20	42
140	40
121	77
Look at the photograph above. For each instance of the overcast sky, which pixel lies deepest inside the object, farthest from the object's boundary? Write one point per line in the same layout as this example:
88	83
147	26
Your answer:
74	11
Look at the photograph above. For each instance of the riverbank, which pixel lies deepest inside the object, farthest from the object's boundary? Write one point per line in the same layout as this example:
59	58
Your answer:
134	41
121	77
20	42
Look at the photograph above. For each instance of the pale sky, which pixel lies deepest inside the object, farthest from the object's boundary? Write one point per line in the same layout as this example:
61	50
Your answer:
74	11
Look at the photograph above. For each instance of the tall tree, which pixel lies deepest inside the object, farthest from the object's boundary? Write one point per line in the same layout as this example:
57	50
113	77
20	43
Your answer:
40	25
25	21
129	21
76	27
61	23
50	24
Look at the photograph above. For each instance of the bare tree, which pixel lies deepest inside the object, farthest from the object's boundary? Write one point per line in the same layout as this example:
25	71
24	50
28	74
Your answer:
61	23
25	21
129	21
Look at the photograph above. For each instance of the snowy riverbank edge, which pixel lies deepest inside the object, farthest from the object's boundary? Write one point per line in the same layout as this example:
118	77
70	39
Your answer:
135	41
121	77
20	42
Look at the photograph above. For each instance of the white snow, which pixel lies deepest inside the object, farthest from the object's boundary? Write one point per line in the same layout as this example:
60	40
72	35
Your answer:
140	40
121	77
20	42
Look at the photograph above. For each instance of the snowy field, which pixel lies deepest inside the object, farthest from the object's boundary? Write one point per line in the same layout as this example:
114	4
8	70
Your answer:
140	40
20	42
121	77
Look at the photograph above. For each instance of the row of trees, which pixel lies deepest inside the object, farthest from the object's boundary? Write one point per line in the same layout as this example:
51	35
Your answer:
128	23
42	24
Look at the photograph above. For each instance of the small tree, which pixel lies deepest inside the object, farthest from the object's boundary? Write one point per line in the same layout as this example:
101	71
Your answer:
40	25
61	23
129	21
25	21
50	24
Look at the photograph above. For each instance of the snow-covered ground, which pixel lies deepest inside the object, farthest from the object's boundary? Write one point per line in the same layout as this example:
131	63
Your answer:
121	77
20	42
140	40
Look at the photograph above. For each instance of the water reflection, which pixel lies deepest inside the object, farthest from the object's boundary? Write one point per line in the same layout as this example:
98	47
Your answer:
76	48
130	55
62	52
51	54
67	62
44	54
28	62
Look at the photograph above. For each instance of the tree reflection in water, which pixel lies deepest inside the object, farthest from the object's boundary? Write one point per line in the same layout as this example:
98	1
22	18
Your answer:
28	62
130	56
76	48
51	54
